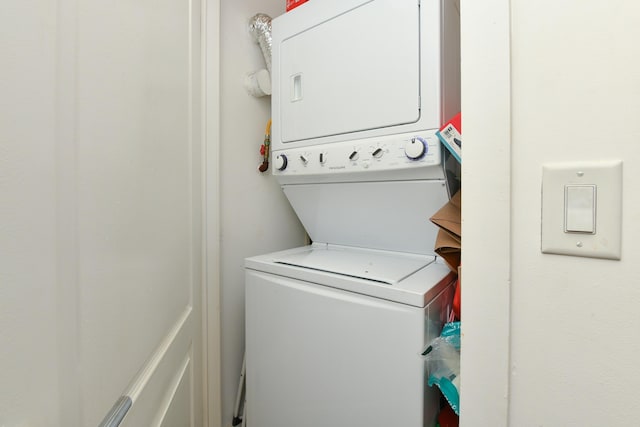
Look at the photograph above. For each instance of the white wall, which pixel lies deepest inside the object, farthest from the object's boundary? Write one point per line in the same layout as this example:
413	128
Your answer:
574	324
256	217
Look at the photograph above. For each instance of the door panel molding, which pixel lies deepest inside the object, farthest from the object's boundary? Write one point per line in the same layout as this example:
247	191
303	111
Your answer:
155	385
151	366
177	406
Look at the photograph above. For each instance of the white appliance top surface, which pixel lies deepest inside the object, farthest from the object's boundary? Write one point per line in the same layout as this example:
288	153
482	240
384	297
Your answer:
400	277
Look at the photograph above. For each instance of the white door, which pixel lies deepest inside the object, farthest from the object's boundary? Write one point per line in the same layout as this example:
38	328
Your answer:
100	213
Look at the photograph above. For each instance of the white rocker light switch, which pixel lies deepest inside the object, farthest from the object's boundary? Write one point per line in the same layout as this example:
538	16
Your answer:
580	209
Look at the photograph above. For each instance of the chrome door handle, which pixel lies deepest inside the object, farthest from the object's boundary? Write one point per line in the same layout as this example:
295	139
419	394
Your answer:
117	412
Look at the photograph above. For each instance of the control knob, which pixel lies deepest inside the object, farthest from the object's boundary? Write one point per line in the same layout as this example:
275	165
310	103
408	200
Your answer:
281	162
415	148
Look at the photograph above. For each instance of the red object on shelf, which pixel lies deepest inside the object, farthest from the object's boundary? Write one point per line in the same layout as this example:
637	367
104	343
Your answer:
292	4
448	418
457	300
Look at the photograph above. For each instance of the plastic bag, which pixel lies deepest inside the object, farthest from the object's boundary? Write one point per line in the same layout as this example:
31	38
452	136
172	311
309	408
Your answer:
443	364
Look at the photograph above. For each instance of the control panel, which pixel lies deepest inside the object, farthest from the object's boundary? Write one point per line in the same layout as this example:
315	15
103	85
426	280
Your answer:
362	156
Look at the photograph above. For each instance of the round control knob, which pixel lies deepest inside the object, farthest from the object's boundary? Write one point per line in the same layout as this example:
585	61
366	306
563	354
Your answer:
377	153
281	162
415	148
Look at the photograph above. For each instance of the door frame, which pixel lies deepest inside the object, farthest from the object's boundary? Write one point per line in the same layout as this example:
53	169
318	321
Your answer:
486	212
211	216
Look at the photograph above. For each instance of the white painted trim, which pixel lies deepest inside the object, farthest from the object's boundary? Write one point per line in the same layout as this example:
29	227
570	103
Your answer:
173	389
150	367
211	253
486	212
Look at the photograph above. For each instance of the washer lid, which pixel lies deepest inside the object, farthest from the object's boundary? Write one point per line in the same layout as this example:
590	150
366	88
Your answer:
364	264
388	216
341	267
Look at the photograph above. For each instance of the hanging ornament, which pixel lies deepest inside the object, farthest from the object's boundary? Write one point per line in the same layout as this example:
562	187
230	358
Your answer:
264	148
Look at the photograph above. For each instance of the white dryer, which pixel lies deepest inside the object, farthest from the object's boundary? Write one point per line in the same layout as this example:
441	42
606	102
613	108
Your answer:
334	330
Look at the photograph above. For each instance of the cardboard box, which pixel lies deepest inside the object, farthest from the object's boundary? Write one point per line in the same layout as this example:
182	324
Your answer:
451	136
449	240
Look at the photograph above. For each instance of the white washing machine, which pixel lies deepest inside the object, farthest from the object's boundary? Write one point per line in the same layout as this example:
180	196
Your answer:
334	330
334	337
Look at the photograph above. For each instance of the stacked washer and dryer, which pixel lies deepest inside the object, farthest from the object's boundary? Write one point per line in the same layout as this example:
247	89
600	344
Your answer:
334	330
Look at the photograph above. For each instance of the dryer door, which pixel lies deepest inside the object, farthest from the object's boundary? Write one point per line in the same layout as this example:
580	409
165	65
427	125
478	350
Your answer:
339	76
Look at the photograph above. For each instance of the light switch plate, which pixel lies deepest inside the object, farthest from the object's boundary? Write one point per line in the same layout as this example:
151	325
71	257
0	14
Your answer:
606	176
